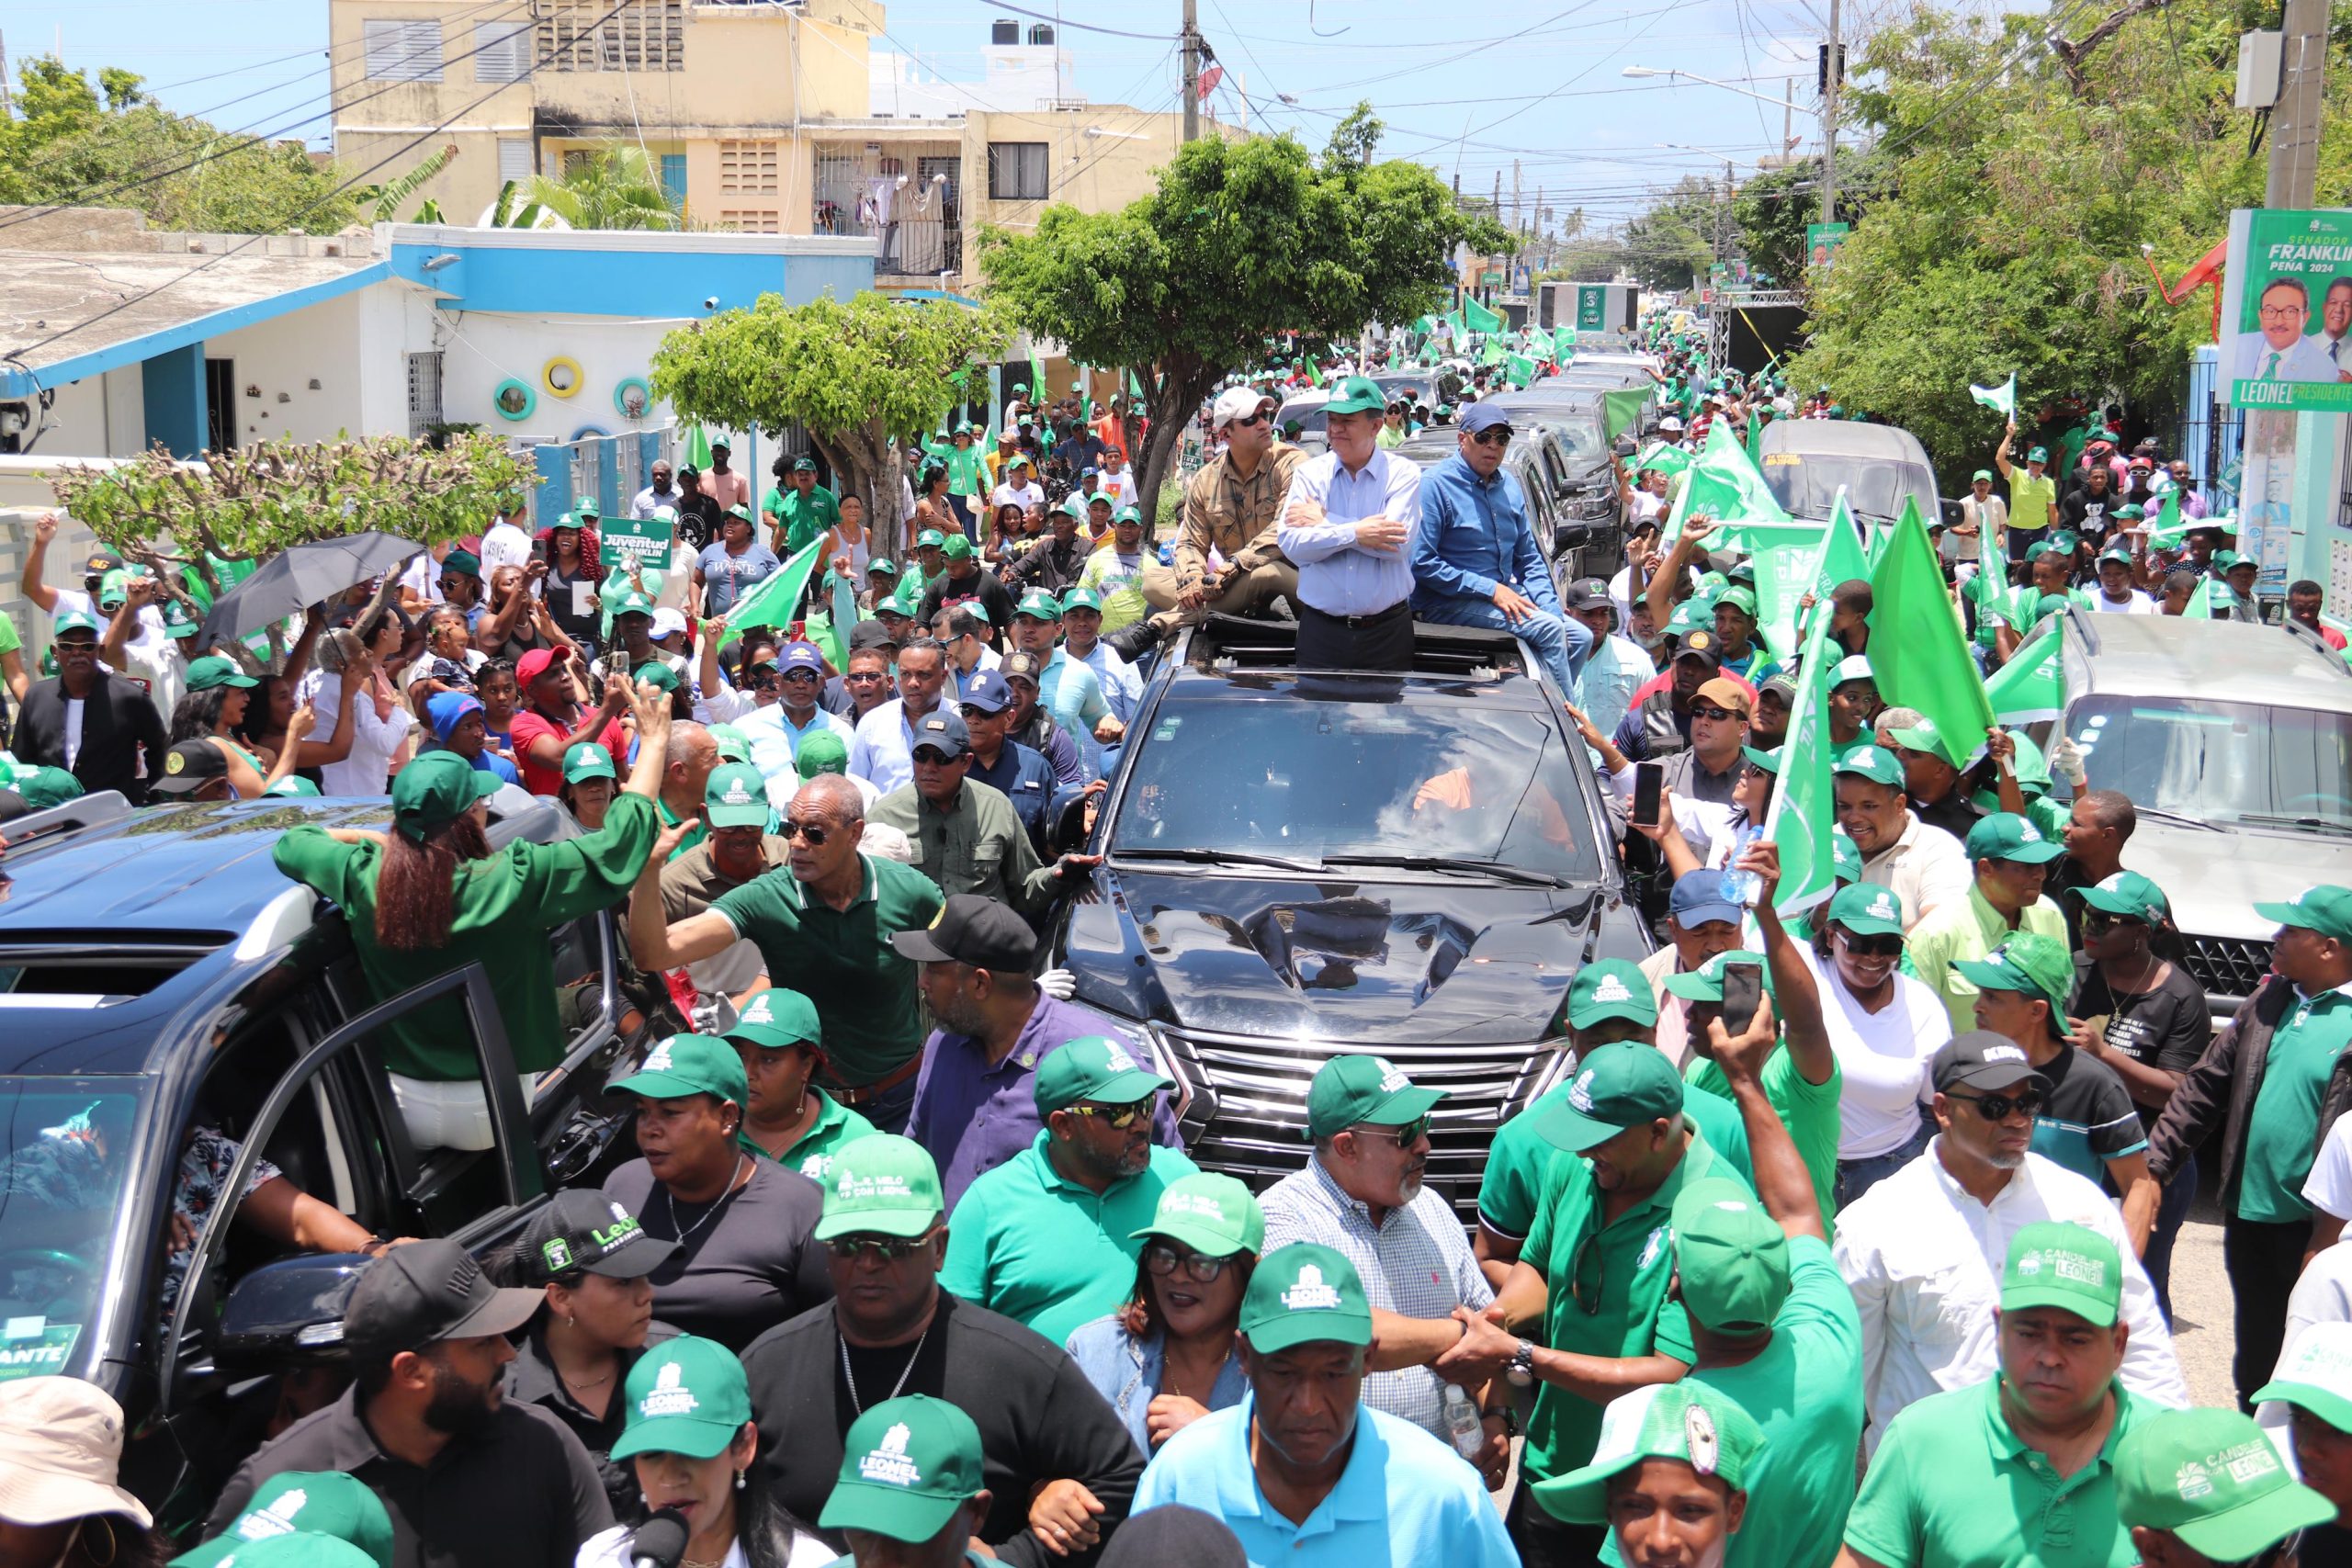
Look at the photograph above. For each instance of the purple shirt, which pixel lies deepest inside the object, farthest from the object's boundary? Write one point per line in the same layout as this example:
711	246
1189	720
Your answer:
974	1117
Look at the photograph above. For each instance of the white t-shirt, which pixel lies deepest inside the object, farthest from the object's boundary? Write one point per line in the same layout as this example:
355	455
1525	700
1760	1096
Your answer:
2136	604
1120	487
1025	495
423	578
73	707
503	545
2329	1186
2323	1294
1884	1056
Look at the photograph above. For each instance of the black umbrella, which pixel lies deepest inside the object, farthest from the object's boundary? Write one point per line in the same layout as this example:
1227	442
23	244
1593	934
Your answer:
291	581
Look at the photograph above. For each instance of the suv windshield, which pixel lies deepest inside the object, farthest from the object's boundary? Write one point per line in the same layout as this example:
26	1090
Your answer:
1806	485
1581	437
64	1145
2219	761
1323	777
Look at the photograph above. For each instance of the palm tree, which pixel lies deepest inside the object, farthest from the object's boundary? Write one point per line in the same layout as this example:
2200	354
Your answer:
618	188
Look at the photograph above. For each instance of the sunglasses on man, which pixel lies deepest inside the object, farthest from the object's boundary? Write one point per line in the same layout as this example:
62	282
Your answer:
1493	436
2000	1106
815	833
1119	1117
1710	711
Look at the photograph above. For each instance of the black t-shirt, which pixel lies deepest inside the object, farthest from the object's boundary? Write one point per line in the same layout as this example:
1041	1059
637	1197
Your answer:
2087	1117
532	1379
2166	1028
2087	513
748	1265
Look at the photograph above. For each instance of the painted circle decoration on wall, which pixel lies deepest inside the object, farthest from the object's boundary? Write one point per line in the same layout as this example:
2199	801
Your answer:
633	398
513	400
587	431
560	376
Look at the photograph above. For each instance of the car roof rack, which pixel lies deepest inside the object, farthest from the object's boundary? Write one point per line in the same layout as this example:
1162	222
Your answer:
81	811
1235	642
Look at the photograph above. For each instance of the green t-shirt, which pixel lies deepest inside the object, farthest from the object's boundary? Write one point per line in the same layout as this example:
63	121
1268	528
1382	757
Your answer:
503	910
967	471
1621	1270
1804	1389
843	961
9	640
1808	1111
812	1156
804	519
2294	1076
1952	1486
1043	1250
1520	1158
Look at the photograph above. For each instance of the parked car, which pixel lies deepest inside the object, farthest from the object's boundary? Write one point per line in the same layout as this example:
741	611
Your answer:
1306	411
1879	466
159	977
1589	533
1532	458
1304	863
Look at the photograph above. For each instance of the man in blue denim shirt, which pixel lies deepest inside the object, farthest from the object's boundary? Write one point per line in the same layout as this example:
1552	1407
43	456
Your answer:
1475	561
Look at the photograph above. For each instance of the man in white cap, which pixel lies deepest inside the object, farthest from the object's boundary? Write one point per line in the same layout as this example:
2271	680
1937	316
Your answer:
1228	559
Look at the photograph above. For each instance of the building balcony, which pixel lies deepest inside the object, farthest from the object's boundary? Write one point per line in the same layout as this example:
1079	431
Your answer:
906	196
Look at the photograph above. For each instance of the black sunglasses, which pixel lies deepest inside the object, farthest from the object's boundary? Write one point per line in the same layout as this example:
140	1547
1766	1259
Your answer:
881	1248
934	756
1493	436
1998	1107
1870	946
1709	710
1120	1117
1405	1134
1165	1261
815	833
1259	417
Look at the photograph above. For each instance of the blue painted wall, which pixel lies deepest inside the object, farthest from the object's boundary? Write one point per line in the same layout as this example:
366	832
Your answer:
625	283
172	387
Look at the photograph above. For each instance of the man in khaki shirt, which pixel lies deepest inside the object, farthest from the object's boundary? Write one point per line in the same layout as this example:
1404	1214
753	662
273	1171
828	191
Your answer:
1231	505
965	835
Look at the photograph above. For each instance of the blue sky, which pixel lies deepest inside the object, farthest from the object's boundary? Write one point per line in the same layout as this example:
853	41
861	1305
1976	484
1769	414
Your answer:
1542	85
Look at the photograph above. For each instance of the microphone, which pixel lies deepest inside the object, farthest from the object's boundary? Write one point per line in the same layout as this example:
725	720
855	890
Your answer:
660	1541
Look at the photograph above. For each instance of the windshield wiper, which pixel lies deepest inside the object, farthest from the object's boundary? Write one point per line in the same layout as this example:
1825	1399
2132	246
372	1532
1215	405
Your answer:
1501	869
1200	856
2161	814
2324	824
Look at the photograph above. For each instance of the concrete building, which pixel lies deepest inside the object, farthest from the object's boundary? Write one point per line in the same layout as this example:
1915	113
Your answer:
763	118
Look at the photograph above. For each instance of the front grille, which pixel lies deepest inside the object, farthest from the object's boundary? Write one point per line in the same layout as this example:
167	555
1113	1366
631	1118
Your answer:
1252	1121
2228	968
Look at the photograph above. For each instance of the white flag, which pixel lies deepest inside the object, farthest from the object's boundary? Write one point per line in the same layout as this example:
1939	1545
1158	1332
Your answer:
2001	400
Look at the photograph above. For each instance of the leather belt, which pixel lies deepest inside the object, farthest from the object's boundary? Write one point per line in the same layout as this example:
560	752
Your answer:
864	1093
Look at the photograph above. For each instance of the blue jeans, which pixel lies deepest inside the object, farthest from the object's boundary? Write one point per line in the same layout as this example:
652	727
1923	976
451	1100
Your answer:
1856	1176
1562	644
2179	1193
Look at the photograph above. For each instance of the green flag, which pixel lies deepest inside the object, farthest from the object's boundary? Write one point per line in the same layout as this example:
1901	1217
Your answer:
698	449
1725	485
1313	372
1803	809
1037	393
2169	526
773	601
1479	318
1494	354
1621	412
2200	602
2028	687
2001	399
1665	458
1539	343
1520	369
1917	650
1755	438
1791	564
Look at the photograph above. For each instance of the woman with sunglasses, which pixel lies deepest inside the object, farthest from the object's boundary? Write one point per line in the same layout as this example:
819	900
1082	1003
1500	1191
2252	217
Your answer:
1885	1027
1167	1357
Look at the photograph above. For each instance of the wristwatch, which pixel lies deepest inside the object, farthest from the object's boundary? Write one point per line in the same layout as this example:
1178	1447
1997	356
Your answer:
1521	1367
1507	1415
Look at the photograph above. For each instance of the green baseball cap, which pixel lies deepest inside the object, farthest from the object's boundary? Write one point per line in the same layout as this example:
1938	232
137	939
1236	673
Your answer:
1215	1216
633	603
292	787
1615	1086
1304	1294
1610	987
686	1395
821	753
1846	857
2066	541
2037	454
1104	496
177	622
2129	512
1984	474
114	587
438	788
318	1502
2326	909
2006	836
1853	667
684	1064
1353	1090
1872	762
2034	552
1093	1067
2028	962
1705	984
1039	605
2055	1263
216	670
733	745
1769	761
881	1185
302	1549
465	563
73	621
655	673
882	566
736	796
1921	737
777	1020
43	788
2316	1374
1700	1425
931	537
1081	599
1731	1257
586	760
907	1466
957	548
1128	514
2226	559
1740	599
589	507
2132	895
1358	394
1867	909
2214	1479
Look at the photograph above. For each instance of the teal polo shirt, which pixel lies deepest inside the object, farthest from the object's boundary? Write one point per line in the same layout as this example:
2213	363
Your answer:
1520	1159
1025	1241
2286	1108
1404	1498
837	1126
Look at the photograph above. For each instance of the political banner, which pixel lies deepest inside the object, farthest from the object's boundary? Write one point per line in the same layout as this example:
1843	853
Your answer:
626	540
2287	312
1802	813
1822	241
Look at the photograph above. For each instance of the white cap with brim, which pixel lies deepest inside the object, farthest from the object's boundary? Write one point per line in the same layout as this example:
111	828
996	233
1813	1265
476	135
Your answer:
61	1445
1235	402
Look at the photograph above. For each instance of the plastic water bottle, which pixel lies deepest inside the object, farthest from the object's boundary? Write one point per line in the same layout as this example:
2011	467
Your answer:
1742	887
1462	1422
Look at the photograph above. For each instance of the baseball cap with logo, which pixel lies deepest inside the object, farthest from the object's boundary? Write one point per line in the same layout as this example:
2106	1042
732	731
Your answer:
1215	1216
823	753
2316	1374
907	1466
2324	909
2132	895
1358	394
686	1395
736	796
971	930
1921	737
1731	1257
1705	984
1610	987
882	1185
324	1503
43	788
1093	1067
1039	605
684	1064
1872	762
1853	667
586	760
1867	909
1703	1426
188	767
581	1229
2054	1263
1981	1059
943	732
2028	963
215	670
2214	1479
1587	593
1697	901
426	1292
302	1549
1846	860
1304	1294
1615	1086
1349	1091
2006	836
73	621
777	1019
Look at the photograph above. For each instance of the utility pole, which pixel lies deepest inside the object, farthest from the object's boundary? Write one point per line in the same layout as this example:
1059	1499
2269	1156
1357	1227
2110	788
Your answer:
1193	70
1723	218
1833	69
1788	119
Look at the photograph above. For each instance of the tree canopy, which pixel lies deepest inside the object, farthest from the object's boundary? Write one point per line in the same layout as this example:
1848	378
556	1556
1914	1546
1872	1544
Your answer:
1239	241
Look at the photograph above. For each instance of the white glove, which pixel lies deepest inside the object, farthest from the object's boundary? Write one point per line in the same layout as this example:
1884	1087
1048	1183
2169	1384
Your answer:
2067	759
1060	984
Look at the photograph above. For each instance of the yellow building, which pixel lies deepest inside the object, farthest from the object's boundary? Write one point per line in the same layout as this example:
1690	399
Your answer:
767	117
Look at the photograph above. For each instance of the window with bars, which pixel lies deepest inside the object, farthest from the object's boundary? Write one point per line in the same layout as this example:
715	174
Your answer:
748	166
592	35
1017	171
751	220
403	50
423	394
501	52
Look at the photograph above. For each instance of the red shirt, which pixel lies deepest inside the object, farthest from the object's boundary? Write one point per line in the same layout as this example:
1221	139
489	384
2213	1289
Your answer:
530	724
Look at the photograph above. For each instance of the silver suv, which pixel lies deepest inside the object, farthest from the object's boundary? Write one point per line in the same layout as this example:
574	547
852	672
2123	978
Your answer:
2234	743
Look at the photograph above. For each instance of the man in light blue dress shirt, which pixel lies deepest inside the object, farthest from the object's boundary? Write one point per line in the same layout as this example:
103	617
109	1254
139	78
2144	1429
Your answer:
1348	522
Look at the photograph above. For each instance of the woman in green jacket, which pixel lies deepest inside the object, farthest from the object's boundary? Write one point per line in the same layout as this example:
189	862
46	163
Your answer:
432	895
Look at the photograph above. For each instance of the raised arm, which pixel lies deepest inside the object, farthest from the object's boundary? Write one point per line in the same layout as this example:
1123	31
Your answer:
1659	595
31	581
1798	994
1782	1182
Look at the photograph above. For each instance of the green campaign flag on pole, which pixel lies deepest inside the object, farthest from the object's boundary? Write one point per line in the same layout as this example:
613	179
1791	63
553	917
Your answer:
1725	485
1479	318
1621	412
1791	564
2169	527
774	599
698	449
1804	810
1539	343
1494	354
2200	603
1461	329
1755	438
1037	393
1665	458
2028	686
1917	650
1313	372
1520	369
2001	399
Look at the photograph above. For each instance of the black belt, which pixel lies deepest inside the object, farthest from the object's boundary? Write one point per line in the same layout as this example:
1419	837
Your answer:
1378	618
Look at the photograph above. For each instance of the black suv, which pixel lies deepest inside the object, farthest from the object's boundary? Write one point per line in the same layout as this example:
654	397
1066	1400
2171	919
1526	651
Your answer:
159	977
1300	864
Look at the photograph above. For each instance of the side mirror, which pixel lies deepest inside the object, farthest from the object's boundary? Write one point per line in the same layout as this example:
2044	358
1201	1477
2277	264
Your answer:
289	1314
1067	833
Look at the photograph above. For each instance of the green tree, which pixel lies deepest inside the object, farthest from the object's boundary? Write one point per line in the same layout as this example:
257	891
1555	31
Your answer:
618	188
1674	242
868	377
1239	241
1772	211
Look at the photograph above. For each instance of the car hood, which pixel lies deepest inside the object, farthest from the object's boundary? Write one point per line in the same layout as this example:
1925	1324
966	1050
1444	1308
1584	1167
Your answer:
2215	879
1340	960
